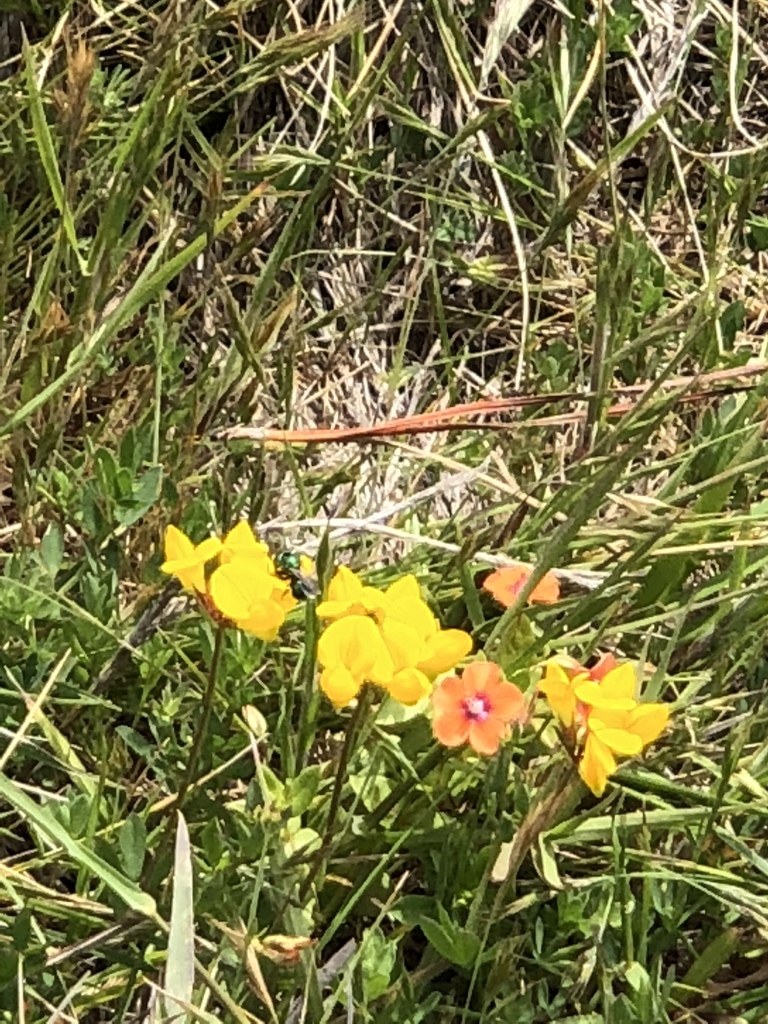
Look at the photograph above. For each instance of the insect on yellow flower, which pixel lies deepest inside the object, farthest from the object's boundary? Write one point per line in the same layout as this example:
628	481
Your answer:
243	589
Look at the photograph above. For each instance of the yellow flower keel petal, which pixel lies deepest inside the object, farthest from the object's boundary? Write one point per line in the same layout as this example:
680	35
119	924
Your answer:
597	765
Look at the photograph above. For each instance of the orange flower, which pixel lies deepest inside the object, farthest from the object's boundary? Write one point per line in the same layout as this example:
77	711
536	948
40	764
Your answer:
477	707
506	583
605	663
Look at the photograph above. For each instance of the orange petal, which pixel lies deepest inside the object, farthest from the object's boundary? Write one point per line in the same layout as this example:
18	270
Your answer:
506	583
449	694
546	591
482	674
605	663
451	728
484	737
507	701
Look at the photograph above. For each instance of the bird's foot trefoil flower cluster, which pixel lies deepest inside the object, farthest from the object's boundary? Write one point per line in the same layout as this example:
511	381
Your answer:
601	718
234	579
384	636
390	638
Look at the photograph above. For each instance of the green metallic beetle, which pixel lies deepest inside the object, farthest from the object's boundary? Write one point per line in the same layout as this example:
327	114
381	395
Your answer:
298	570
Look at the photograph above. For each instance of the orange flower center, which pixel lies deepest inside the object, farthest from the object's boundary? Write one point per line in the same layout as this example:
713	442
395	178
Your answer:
476	708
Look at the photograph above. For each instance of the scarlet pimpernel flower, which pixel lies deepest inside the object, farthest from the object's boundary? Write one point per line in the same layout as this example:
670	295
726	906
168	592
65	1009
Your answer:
405	648
243	589
506	583
600	714
479	707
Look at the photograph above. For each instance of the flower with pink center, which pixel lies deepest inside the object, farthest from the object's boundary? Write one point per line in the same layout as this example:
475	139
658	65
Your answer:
478	708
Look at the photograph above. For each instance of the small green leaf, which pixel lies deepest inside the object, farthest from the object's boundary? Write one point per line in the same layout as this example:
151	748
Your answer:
459	946
52	549
301	790
134	740
133	845
377	962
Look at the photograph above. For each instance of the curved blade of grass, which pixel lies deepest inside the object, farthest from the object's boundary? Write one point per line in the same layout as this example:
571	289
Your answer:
41	817
45	146
145	289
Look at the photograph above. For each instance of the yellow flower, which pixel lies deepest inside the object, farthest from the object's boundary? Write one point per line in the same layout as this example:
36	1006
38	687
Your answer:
347	595
445	649
242	591
351	652
408	683
416	648
614	692
241	542
415	639
186	560
558	687
602	709
623	733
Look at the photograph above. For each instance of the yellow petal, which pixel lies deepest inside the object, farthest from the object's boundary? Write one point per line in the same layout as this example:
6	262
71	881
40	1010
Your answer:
410	608
238	585
177	544
356	643
208	549
409	686
620	682
281	594
190	573
596	765
345	586
186	561
609	718
264	620
339	685
403	643
347	596
331	609
406	588
596	696
559	691
648	721
241	542
619	741
445	649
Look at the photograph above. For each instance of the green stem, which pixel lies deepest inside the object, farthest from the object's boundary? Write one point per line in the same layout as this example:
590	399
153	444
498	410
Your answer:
153	867
311	700
431	760
358	715
202	729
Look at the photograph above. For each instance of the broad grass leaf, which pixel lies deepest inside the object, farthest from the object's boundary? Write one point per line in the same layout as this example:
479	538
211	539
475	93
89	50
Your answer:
42	818
180	966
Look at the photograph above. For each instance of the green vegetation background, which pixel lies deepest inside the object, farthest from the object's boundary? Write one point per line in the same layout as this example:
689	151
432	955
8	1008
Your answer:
312	214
